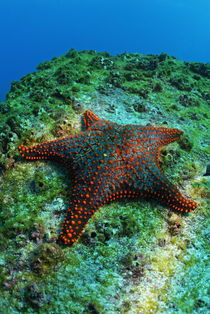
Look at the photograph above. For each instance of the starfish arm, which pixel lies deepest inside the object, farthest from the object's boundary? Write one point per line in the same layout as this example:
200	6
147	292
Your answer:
87	197
85	202
89	118
159	187
52	150
154	137
76	218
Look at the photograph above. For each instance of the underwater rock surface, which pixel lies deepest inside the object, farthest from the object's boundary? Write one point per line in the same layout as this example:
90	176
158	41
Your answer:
134	257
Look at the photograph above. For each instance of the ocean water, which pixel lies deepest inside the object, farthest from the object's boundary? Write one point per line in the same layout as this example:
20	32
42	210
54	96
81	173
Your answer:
37	30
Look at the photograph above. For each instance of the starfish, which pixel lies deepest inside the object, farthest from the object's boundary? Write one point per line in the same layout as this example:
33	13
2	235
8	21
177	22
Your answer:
109	161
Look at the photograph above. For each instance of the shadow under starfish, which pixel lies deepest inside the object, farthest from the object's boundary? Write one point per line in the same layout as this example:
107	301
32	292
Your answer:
109	161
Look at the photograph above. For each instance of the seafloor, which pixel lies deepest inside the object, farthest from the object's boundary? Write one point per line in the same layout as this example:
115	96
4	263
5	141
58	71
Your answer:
134	257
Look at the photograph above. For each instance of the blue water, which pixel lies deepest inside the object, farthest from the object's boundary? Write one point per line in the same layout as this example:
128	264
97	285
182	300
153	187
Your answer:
33	31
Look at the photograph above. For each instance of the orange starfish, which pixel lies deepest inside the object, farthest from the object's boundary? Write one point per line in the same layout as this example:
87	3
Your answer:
109	161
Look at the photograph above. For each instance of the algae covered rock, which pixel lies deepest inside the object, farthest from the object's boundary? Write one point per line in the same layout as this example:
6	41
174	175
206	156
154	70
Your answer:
134	256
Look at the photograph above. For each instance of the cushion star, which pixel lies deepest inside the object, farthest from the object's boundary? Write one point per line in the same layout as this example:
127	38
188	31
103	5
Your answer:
109	161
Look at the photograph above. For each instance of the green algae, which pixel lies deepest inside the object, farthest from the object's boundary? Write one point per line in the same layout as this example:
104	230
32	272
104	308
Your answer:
134	256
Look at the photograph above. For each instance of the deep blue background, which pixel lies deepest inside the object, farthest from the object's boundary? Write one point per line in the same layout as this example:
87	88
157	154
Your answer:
33	31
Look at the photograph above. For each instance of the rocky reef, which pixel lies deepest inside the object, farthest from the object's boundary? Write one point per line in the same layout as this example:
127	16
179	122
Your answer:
134	257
